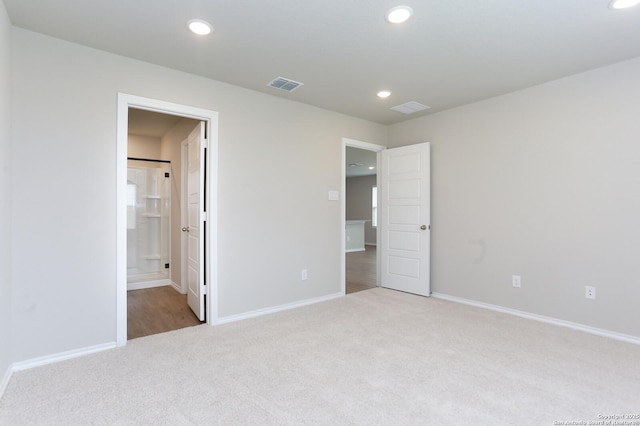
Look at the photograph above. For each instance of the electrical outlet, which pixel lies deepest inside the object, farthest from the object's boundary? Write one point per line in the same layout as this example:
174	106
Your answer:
304	275
590	292
516	281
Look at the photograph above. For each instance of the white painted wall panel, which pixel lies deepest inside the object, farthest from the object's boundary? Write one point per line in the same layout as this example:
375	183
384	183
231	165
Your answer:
408	241
404	188
407	163
404	266
404	215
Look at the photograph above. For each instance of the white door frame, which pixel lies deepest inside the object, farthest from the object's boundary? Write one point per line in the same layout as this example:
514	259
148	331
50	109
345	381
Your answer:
125	102
343	205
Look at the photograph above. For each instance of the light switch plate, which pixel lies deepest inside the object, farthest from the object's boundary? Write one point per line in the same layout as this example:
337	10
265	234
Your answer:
334	195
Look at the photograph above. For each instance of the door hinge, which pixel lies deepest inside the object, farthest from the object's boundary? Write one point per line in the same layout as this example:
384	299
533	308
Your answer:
204	216
205	143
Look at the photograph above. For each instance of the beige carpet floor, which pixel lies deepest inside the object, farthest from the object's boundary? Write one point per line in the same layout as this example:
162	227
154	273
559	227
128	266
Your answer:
373	357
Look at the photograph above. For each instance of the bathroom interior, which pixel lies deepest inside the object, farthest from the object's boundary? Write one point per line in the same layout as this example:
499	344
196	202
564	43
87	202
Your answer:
156	296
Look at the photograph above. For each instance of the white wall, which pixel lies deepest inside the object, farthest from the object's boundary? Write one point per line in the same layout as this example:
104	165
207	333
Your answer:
5	192
277	160
545	183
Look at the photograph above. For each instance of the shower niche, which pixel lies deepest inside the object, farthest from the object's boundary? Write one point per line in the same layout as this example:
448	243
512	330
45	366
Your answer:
148	222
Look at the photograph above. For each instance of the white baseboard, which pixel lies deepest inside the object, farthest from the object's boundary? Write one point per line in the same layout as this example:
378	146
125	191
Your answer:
5	380
61	356
178	288
50	359
148	284
550	320
266	311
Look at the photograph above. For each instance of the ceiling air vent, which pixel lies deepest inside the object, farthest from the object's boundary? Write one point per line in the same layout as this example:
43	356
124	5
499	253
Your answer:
284	84
410	107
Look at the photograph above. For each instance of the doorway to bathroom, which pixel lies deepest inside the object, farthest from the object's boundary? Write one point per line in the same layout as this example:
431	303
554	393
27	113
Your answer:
157	298
166	216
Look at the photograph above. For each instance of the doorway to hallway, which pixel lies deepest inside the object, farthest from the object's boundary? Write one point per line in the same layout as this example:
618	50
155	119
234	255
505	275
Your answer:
361	270
360	267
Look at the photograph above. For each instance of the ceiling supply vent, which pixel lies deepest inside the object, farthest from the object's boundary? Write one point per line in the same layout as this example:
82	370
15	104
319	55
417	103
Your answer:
410	107
285	84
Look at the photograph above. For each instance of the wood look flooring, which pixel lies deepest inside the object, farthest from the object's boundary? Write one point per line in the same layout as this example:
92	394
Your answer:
157	310
361	270
161	309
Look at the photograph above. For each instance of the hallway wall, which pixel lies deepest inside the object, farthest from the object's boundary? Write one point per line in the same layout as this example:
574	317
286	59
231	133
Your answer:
358	204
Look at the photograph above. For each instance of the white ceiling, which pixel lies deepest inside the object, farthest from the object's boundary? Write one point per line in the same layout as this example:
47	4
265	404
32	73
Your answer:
358	162
451	52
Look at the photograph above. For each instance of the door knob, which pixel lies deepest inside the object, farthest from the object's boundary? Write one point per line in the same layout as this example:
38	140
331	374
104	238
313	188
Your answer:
185	229
423	227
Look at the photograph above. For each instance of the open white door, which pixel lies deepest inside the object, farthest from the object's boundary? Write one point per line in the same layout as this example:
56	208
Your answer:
405	217
196	216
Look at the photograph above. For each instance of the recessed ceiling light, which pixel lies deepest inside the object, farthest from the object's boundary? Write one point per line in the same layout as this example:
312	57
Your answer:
399	14
200	27
623	4
384	94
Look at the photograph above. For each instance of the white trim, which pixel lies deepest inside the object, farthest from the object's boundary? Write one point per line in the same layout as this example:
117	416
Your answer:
343	206
549	320
148	284
275	309
212	220
50	359
61	356
354	250
177	287
125	102
363	145
5	380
